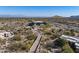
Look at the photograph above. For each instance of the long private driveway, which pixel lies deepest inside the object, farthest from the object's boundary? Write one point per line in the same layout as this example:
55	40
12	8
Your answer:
36	43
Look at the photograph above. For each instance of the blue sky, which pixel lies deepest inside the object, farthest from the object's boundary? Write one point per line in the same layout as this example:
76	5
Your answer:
39	11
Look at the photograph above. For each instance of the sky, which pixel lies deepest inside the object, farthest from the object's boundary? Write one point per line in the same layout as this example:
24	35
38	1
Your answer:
40	11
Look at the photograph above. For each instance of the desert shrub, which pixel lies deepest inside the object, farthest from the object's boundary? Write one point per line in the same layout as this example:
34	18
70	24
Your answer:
17	37
47	33
31	37
70	32
2	41
67	49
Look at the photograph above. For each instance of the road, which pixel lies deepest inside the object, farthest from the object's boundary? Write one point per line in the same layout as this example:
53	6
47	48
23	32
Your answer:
36	43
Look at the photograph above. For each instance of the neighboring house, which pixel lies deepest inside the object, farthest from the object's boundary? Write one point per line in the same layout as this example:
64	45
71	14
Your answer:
6	34
71	39
36	23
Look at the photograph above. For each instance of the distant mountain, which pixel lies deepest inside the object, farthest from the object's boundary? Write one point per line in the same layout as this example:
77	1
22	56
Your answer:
12	16
71	17
56	16
77	17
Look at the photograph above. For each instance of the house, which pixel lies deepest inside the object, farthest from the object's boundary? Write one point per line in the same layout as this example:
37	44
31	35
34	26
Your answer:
37	23
6	34
75	40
